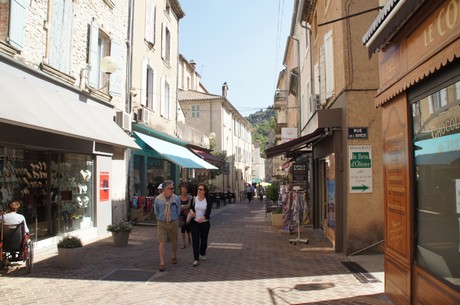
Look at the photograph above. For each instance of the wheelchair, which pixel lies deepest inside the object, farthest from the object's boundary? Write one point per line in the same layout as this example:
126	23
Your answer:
16	246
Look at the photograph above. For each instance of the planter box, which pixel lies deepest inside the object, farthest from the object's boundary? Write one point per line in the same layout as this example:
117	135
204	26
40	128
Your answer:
120	239
277	220
70	258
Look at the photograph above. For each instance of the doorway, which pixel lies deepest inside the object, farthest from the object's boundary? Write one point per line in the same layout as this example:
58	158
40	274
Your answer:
327	188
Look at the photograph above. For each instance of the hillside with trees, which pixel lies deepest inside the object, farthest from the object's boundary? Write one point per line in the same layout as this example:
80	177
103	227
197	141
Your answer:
263	122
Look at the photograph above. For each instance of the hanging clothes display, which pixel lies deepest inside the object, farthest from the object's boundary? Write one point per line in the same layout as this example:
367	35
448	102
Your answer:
141	209
294	208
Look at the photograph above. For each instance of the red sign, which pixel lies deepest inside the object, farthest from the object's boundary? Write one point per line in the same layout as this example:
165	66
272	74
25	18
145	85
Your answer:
104	186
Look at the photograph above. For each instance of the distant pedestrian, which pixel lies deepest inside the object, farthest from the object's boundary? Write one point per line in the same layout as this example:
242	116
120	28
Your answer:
249	192
167	211
200	225
185	201
260	192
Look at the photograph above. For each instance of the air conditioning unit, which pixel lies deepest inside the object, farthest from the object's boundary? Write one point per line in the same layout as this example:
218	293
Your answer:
123	120
315	101
143	115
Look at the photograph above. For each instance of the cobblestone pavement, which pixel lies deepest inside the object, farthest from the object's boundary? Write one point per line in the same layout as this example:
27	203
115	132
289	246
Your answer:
249	262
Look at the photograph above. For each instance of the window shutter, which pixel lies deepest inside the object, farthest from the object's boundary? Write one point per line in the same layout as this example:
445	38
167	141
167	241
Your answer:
322	75
60	30
93	73
162	102
67	37
163	41
150	22
329	54
154	95
17	23
316	80
149	84
167	100
143	96
293	82
115	83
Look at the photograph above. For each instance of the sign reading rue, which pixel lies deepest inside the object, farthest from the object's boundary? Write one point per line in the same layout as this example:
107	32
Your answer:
357	133
360	168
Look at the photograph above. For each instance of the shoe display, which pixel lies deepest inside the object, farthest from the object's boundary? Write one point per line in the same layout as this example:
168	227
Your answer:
195	263
203	258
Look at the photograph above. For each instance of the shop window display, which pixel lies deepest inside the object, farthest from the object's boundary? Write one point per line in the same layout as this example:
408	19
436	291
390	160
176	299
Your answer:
436	127
146	175
55	189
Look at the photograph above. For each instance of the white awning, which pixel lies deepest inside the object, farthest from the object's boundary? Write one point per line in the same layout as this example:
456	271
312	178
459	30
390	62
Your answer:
177	154
26	104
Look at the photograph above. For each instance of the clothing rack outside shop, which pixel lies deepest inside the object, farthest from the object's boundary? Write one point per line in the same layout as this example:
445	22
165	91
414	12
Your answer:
296	212
141	210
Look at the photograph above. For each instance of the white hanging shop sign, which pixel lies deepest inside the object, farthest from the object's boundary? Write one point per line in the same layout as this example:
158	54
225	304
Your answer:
360	168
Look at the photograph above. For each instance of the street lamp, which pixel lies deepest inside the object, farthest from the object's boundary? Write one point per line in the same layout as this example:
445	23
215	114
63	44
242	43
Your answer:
108	65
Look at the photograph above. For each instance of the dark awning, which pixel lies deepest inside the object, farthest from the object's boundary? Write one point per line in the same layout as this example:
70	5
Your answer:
295	144
324	120
208	157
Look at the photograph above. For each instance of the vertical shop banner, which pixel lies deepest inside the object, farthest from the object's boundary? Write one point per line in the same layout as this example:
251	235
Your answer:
360	162
104	186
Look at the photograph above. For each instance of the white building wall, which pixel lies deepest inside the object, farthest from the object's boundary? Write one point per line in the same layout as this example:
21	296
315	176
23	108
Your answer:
113	21
152	55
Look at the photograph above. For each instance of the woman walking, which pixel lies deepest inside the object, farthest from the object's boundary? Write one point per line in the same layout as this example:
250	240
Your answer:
200	225
185	201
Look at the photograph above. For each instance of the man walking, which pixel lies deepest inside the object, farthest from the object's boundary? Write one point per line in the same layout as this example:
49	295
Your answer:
249	192
167	211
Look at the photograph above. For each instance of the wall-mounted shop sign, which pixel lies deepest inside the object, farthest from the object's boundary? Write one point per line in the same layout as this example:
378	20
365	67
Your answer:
360	168
299	174
357	133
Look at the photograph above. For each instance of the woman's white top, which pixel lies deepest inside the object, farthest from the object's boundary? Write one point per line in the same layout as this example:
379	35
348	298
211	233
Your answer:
200	207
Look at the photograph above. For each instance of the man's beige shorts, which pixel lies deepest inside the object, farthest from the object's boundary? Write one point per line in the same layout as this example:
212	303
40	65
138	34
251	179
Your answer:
168	232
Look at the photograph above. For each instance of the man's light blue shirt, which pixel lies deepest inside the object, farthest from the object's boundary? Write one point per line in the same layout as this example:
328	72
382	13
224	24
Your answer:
160	208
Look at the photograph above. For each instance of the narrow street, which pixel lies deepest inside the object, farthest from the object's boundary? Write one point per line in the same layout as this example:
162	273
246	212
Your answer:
249	262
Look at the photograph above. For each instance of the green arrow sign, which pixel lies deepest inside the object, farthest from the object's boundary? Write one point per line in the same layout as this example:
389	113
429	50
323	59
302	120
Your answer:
362	187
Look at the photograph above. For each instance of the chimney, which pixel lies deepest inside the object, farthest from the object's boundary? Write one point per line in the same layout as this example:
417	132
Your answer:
224	89
192	63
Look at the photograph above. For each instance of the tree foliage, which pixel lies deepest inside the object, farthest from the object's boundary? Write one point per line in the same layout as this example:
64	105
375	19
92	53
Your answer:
263	122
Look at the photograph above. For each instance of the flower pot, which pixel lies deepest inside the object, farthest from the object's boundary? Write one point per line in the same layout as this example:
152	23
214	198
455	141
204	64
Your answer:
70	258
120	239
277	219
76	224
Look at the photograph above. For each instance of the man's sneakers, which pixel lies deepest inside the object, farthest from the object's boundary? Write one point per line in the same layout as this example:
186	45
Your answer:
195	263
203	258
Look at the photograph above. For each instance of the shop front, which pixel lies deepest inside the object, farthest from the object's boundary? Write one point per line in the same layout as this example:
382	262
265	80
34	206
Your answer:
420	98
316	154
162	158
54	151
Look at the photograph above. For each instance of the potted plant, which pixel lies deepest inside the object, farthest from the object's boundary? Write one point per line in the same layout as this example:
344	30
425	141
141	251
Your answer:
76	221
277	217
120	232
70	250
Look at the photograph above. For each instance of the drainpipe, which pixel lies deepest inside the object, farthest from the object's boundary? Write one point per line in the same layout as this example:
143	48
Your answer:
129	66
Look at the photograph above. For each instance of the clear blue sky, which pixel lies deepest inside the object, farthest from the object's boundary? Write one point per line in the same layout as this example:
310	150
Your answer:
241	42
